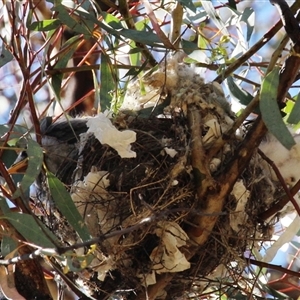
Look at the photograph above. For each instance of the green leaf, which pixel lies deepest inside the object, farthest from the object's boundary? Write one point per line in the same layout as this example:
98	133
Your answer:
144	37
85	6
294	117
209	8
135	71
65	204
271	291
8	245
35	160
241	95
45	25
195	18
27	226
16	131
248	17
5	56
4	206
189	4
107	82
232	4
197	56
112	21
188	47
153	111
270	110
79	25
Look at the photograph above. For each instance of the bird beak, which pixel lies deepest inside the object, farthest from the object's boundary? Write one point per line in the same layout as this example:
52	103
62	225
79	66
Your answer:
20	165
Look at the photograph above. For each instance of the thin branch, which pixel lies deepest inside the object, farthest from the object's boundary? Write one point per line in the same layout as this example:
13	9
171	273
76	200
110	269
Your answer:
276	207
264	40
271	266
281	180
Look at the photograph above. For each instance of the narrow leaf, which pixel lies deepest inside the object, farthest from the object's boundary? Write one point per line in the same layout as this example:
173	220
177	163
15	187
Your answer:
45	25
35	160
188	47
294	117
16	131
144	37
5	56
8	245
248	17
107	82
241	95
270	110
232	4
65	204
209	8
79	25
189	4
27	226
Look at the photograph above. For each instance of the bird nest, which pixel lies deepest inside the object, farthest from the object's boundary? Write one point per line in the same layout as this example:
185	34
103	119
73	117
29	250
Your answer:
152	211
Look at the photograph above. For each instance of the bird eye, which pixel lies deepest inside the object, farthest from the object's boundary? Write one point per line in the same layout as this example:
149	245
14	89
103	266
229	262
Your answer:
23	155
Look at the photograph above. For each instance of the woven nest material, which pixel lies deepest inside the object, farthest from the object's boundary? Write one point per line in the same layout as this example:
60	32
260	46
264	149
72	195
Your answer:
161	185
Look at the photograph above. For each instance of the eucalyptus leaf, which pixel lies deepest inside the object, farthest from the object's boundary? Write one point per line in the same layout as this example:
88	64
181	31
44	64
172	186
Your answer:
107	82
188	47
209	8
112	21
45	25
4	206
65	204
5	56
189	4
271	291
232	4
248	17
27	226
241	95
35	161
294	116
8	245
15	131
144	37
270	110
78	24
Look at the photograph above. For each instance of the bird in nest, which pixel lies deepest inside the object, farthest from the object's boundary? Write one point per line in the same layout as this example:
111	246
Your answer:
59	141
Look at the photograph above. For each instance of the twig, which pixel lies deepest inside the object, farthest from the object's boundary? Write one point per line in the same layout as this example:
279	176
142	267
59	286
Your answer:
124	10
164	39
271	266
276	207
265	39
281	180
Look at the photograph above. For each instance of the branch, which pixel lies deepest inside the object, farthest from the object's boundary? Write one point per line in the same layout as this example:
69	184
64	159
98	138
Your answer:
264	40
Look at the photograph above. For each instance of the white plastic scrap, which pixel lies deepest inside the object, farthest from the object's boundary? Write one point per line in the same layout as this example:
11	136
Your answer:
167	257
92	201
239	216
171	152
108	134
287	161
